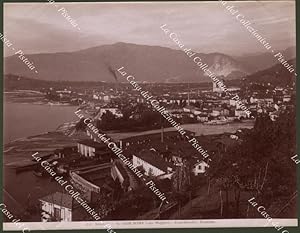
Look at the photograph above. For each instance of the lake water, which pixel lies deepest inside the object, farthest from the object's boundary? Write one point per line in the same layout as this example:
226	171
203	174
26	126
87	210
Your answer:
23	120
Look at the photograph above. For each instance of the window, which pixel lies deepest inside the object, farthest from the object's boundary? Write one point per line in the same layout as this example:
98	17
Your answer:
57	213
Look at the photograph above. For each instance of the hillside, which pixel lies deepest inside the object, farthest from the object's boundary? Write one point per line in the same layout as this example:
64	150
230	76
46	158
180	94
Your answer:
277	75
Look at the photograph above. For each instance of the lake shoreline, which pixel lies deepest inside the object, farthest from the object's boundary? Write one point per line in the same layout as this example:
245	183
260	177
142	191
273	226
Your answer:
22	120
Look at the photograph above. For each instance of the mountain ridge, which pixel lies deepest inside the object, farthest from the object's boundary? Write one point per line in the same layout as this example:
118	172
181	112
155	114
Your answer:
147	63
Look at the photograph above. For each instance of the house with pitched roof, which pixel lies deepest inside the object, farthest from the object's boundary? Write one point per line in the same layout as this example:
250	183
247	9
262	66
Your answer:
90	148
56	207
152	163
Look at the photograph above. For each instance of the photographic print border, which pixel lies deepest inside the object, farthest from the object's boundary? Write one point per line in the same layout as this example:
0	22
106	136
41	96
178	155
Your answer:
206	225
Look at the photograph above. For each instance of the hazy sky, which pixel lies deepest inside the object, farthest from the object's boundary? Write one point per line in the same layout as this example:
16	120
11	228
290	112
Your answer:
204	26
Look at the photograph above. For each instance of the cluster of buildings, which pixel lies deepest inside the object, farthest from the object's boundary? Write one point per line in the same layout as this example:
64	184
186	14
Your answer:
204	106
99	175
208	105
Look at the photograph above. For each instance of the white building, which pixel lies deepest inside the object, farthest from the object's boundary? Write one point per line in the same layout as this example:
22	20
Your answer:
193	110
152	163
96	97
239	113
58	205
115	111
118	172
286	98
202	118
216	112
199	168
106	98
216	88
232	102
88	148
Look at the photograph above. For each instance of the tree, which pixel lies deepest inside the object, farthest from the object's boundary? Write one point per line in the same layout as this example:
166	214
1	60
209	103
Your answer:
108	121
265	150
80	125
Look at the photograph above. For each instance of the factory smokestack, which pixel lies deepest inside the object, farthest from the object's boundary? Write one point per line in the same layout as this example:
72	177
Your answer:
113	72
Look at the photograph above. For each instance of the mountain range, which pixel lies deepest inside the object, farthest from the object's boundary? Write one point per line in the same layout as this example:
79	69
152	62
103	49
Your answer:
146	63
277	75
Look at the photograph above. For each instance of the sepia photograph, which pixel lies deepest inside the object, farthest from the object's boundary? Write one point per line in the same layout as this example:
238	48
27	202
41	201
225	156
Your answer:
149	115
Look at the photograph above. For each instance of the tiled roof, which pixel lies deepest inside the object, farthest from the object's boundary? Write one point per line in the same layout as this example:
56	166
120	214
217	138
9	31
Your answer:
60	199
